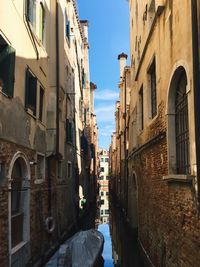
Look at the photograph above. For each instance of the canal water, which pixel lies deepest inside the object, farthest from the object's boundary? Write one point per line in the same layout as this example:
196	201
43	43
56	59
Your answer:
121	247
107	251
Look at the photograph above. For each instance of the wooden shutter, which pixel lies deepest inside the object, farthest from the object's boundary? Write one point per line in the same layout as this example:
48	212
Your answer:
7	70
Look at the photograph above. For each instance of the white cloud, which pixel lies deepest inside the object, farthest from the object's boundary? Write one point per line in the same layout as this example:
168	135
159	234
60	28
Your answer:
106	95
104	108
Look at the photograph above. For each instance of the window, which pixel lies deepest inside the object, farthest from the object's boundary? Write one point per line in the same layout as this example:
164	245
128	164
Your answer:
7	68
41	103
102	201
102	159
178	125
69	131
101	177
106	159
181	126
107	177
67	28
60	169
31	92
102	169
42	23
102	193
2	173
152	85
31	12
101	212
141	110
69	169
106	212
107	193
40	166
16	205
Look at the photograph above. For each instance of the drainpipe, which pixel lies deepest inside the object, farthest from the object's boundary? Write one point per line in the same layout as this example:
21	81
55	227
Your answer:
125	140
57	78
195	51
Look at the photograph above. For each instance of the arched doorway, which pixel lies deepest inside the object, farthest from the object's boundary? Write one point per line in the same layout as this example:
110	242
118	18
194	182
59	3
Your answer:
19	211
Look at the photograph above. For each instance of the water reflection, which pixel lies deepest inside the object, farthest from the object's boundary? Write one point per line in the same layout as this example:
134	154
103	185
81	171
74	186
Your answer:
121	247
107	251
124	241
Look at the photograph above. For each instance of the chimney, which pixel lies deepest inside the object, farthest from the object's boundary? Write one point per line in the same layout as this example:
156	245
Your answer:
122	63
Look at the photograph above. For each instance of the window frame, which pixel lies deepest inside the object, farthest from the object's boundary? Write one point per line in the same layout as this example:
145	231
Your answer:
31	109
42	22
7	54
141	108
152	85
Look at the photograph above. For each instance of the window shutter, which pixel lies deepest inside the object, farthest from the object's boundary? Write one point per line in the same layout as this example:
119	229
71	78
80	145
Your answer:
27	88
7	70
31	91
11	73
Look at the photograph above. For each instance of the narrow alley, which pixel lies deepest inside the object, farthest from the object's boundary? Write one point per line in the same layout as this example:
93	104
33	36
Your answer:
100	133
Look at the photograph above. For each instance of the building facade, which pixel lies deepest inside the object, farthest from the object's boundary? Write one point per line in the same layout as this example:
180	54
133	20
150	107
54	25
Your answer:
157	132
43	70
103	181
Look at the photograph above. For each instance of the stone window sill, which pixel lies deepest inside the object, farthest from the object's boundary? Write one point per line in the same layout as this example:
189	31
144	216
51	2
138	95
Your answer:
179	178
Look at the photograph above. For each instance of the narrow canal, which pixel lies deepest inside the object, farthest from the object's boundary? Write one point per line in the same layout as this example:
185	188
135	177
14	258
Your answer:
121	247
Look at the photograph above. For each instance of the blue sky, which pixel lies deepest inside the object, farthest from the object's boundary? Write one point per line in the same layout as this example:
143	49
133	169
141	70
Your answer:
108	37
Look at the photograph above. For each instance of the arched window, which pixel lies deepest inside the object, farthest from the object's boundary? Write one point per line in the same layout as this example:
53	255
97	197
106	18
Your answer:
181	126
42	23
178	124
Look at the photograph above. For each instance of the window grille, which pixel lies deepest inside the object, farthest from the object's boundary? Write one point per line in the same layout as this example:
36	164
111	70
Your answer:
153	93
182	127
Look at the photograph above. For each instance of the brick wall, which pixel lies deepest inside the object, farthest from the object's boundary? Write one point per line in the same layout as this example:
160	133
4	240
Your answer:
169	225
42	243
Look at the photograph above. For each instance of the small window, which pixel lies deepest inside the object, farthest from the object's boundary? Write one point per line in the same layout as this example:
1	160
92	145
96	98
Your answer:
69	169
42	23
69	131
102	169
102	159
101	212
7	68
152	85
67	28
102	202
40	167
31	92
31	12
41	104
141	110
101	177
60	169
107	177
102	193
106	212
2	173
107	193
106	159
